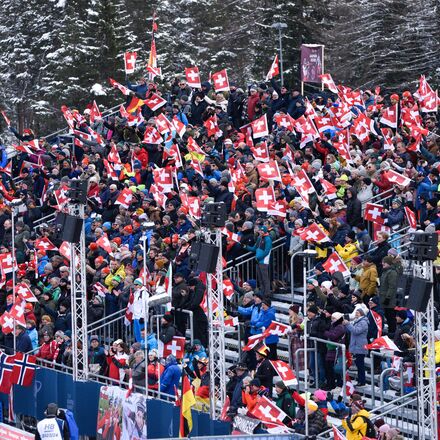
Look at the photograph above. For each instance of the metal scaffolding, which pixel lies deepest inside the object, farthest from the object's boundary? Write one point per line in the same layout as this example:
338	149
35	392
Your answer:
79	300
426	374
216	323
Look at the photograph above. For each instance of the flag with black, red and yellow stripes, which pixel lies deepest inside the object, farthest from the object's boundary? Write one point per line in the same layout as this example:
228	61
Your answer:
187	401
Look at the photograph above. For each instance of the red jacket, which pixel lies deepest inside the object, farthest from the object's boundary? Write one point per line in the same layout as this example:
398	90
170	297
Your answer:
48	350
252	102
154	371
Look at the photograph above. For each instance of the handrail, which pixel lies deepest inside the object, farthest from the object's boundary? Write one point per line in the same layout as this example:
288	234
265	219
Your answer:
105	320
45	219
379	196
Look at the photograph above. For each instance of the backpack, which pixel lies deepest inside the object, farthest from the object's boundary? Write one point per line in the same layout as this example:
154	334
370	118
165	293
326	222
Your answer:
371	431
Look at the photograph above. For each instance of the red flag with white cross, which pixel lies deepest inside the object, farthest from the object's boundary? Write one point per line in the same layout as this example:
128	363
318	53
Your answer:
398	179
373	213
337	435
193	77
327	80
44	244
65	249
314	234
155	102
260	128
269	171
228	289
176	347
125	198
195	210
334	264
113	156
266	411
277	329
285	372
163	124
104	243
377	227
253	341
179	126
7	263
261	152
389	116
17	312
211	126
264	197
120	87
25	293
130	62
220	80
7	323
411	217
274	69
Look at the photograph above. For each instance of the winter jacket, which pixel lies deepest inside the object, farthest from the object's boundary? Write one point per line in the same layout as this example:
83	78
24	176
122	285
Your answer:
116	364
358	331
335	333
316	328
372	326
167	332
262	249
48	350
264	320
402	328
316	422
33	336
354	210
254	312
138	373
378	254
154	371
356	426
388	288
347	252
368	280
265	373
169	380
285	402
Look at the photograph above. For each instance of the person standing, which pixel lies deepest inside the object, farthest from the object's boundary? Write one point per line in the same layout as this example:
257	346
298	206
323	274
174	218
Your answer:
387	291
52	427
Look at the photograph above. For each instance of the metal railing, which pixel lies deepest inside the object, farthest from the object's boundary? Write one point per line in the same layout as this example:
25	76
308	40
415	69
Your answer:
381	197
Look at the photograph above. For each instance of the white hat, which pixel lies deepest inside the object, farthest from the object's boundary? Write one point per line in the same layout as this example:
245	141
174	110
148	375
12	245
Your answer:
337	316
326	284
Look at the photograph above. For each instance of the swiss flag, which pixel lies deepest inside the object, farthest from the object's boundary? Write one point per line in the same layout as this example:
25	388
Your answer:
179	126
314	233
174	152
323	123
130	62
231	235
349	387
277	329
25	293
382	343
120	87
158	196
101	290
44	244
228	289
303	184
411	217
269	171
24	369
65	249
221	82
337	435
261	152
378	321
362	126
110	171
152	136
260	127
328	187
373	213
266	411
113	156
193	77
327	80
95	112
253	341
163	124
17	312
155	102
334	264
104	243
285	372
274	69
264	197
7	323
377	227
389	116
398	179
277	208
284	121
163	178
211	126
125	198
7	263
193	146
176	347
61	195
194	208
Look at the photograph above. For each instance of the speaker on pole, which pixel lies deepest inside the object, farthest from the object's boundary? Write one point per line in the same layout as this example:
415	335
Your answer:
72	229
420	292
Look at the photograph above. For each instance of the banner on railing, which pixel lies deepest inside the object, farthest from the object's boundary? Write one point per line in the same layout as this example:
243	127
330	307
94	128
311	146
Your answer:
9	433
120	416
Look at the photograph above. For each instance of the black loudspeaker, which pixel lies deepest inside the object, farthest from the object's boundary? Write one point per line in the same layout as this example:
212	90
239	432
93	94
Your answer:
78	191
194	256
423	246
214	215
419	295
72	229
207	258
403	290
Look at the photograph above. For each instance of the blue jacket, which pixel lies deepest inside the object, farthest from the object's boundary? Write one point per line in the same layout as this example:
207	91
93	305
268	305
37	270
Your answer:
262	249
33	335
426	188
254	312
394	217
266	317
170	378
358	335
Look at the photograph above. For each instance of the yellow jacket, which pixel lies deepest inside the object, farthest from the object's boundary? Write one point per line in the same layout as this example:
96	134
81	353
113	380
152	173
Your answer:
347	252
108	279
367	280
356	427
437	354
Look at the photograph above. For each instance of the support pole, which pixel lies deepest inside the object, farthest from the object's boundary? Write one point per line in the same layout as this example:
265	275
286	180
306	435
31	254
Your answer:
306	368
281	55
13	270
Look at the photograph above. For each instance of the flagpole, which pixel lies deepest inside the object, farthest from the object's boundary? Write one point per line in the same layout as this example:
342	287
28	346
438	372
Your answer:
306	368
146	313
322	62
302	88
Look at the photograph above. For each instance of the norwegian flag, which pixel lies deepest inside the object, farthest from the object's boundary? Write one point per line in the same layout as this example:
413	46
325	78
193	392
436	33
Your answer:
152	136
337	435
411	217
120	87
6	367
327	80
7	323
398	179
193	77
253	341
44	244
328	187
314	234
373	213
179	126
163	124
95	113
349	387
104	243
7	263
334	264
125	198
130	62
378	321
228	289
100	289
266	411
260	128
8	122
269	171
65	249
211	126
194	208
285	372
17	312
221	82
389	116
128	318
274	69
110	171
382	343
277	208
264	197
176	347
113	156
261	152
25	293
155	102
277	329
24	368
231	235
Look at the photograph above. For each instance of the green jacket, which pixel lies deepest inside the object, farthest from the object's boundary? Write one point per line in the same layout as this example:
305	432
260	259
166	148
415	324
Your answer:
285	403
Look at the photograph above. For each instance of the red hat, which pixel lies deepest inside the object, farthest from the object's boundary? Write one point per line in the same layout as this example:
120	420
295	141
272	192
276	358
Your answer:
406	94
22	266
41	252
9	298
21	273
31	265
9	283
99	260
167	240
175	238
117	240
28	306
128	229
93	246
395	97
105	270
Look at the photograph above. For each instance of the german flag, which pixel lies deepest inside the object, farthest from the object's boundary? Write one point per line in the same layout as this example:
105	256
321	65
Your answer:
135	103
186	402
